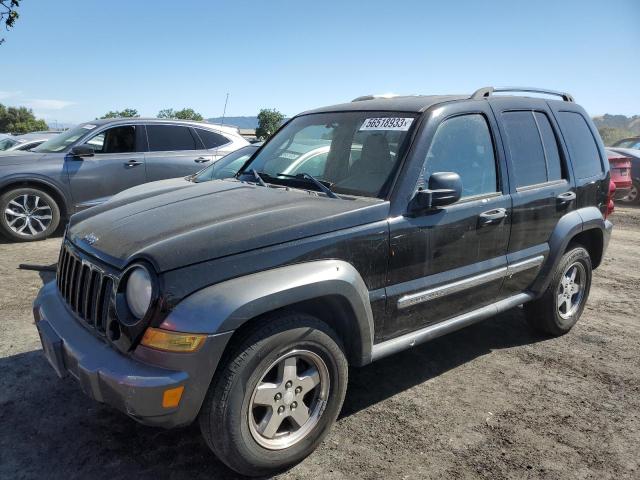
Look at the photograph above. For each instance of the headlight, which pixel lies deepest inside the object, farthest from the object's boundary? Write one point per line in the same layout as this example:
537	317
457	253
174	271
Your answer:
139	291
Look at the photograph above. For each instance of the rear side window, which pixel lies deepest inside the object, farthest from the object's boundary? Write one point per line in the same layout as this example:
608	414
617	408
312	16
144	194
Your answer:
583	148
170	138
463	145
525	147
533	148
550	145
211	139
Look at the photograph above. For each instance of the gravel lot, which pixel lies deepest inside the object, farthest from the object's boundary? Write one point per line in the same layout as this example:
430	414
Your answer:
494	400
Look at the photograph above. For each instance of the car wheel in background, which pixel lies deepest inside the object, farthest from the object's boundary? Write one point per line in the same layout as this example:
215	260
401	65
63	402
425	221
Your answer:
634	194
28	214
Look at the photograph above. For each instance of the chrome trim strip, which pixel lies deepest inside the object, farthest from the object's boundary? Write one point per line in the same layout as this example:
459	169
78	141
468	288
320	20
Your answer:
524	265
449	288
394	345
470	282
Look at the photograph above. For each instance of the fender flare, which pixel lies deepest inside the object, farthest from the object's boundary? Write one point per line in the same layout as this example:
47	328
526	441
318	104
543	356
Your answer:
39	179
228	305
571	224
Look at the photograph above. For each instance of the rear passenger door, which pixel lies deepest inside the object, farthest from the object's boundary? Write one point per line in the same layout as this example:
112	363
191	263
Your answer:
174	151
540	183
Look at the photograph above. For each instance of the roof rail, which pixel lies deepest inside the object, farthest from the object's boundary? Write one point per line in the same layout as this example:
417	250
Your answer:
486	92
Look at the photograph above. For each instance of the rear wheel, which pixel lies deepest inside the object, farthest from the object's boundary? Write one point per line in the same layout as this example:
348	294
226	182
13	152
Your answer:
561	305
28	214
634	194
276	396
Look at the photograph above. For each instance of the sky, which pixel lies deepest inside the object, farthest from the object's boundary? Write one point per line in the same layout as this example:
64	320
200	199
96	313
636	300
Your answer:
72	60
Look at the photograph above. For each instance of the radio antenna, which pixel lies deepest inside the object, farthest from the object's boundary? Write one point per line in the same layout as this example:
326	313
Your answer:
225	108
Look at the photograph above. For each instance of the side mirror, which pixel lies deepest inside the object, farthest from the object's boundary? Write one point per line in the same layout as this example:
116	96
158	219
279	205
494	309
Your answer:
82	151
445	188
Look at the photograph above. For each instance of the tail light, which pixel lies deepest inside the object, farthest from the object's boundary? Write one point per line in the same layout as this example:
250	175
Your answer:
610	205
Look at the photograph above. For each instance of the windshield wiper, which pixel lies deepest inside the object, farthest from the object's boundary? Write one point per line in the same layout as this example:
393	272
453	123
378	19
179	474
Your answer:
257	176
313	180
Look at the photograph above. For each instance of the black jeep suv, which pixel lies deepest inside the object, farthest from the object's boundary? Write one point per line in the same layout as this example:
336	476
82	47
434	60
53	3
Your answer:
355	232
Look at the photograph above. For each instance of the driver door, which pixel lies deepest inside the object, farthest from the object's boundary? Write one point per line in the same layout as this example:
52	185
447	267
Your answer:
450	260
118	164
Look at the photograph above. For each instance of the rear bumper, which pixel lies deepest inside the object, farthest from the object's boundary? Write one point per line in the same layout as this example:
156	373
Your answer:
135	383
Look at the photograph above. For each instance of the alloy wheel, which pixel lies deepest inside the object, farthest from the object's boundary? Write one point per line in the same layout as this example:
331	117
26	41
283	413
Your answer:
289	400
571	289
28	215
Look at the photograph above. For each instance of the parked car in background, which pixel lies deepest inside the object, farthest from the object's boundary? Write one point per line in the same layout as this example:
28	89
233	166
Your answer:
28	141
88	164
226	167
633	154
631	142
620	166
241	303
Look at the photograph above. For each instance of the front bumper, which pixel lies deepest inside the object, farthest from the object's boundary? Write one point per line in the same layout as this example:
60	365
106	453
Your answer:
134	383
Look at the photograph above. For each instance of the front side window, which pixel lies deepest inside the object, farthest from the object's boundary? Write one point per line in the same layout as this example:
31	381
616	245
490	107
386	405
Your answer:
321	145
463	145
170	138
65	139
115	140
584	152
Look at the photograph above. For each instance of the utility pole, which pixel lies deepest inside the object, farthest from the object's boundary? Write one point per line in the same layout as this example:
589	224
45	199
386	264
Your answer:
225	108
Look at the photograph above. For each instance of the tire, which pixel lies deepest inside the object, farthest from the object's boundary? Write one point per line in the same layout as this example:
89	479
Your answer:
34	214
562	303
633	197
233	420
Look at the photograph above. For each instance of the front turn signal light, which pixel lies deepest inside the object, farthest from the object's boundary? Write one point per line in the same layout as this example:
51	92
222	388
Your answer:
172	341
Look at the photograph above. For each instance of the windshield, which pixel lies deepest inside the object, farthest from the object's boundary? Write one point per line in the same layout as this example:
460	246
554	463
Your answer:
227	166
355	153
6	143
65	139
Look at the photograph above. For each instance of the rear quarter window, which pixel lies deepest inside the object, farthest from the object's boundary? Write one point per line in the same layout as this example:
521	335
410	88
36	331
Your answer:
583	148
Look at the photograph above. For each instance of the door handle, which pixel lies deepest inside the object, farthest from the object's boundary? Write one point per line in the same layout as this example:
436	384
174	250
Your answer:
132	163
566	197
202	160
492	216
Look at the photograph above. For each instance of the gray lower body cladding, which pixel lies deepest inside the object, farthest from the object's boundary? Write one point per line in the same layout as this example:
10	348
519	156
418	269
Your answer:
134	383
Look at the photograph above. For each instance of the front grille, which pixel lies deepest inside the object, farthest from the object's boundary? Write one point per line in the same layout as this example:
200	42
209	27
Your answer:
85	287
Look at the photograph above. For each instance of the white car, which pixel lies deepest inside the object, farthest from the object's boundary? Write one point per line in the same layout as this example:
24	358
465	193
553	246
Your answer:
25	142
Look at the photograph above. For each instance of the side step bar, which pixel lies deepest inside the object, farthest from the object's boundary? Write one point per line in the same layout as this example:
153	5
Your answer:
408	340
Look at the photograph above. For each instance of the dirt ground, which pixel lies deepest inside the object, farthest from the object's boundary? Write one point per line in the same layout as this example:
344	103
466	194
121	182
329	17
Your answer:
493	401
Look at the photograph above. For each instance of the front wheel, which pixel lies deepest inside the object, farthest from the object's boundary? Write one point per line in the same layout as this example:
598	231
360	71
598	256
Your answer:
276	396
562	303
28	214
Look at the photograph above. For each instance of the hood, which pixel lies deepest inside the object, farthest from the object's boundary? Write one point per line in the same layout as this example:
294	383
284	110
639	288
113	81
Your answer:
19	157
179	225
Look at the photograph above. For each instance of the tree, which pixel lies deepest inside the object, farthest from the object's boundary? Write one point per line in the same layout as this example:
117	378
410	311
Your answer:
126	113
8	14
611	135
269	119
19	120
184	114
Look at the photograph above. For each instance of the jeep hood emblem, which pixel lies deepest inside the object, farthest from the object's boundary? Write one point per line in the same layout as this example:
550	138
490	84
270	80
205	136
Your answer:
90	238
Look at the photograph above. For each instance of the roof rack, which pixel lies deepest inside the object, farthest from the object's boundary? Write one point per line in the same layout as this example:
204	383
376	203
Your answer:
486	92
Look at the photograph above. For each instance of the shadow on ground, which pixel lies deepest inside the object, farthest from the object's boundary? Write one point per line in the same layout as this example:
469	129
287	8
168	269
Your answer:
51	429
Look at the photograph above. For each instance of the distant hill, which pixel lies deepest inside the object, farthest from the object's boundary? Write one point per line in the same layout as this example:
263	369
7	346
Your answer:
240	122
616	127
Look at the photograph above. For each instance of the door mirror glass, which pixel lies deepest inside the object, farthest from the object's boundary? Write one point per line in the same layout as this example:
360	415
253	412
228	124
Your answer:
445	188
82	151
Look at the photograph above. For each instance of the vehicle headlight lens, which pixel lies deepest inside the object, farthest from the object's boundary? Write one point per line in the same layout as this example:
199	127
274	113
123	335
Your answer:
139	291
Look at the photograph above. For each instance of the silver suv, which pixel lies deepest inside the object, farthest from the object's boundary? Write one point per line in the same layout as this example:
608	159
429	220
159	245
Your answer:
90	163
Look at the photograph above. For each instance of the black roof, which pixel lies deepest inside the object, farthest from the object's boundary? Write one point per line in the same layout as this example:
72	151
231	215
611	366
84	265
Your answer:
409	103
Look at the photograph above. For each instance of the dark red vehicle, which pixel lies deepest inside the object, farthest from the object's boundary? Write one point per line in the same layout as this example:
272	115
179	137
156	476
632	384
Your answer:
620	173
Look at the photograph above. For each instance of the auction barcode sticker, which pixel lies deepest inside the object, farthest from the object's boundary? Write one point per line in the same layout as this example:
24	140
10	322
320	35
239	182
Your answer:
387	123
